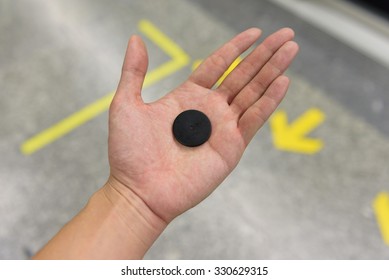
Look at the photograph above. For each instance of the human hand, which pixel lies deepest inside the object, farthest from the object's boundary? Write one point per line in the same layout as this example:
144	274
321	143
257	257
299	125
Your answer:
144	156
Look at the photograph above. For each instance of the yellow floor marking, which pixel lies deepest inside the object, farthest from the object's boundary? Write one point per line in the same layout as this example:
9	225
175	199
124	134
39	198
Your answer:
178	60
292	137
236	62
381	209
196	64
66	125
229	70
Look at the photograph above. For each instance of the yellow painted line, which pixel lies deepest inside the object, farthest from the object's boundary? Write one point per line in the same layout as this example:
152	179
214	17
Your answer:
164	43
381	210
178	60
293	137
229	70
66	125
236	62
196	64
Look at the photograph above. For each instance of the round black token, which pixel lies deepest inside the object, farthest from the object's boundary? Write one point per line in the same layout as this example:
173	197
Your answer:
192	128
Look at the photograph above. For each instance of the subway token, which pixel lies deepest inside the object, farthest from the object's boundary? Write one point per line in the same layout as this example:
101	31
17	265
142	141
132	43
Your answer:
192	128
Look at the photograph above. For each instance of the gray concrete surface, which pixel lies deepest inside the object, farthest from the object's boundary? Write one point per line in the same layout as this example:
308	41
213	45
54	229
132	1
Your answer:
58	56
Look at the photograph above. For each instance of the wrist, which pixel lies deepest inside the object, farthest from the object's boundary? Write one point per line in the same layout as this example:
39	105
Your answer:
115	224
131	215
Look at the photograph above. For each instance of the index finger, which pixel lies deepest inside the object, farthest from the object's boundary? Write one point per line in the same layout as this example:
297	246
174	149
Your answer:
213	67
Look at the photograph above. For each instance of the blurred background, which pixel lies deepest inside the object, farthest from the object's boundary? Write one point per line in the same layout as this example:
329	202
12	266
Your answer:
313	184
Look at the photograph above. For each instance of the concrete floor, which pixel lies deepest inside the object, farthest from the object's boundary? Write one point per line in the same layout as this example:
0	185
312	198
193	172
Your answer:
282	202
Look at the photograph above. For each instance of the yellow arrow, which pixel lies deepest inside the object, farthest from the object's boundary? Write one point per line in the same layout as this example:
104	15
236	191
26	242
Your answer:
381	209
292	137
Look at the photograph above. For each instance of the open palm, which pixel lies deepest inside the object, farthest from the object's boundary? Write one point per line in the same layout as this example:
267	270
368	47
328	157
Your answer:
143	153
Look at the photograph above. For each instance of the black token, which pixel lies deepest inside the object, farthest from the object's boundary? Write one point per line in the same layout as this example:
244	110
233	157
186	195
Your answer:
192	128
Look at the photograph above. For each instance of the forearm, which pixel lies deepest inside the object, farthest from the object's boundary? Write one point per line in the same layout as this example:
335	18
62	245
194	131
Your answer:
115	224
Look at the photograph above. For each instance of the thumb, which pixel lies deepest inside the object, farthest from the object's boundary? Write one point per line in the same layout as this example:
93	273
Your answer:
134	70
